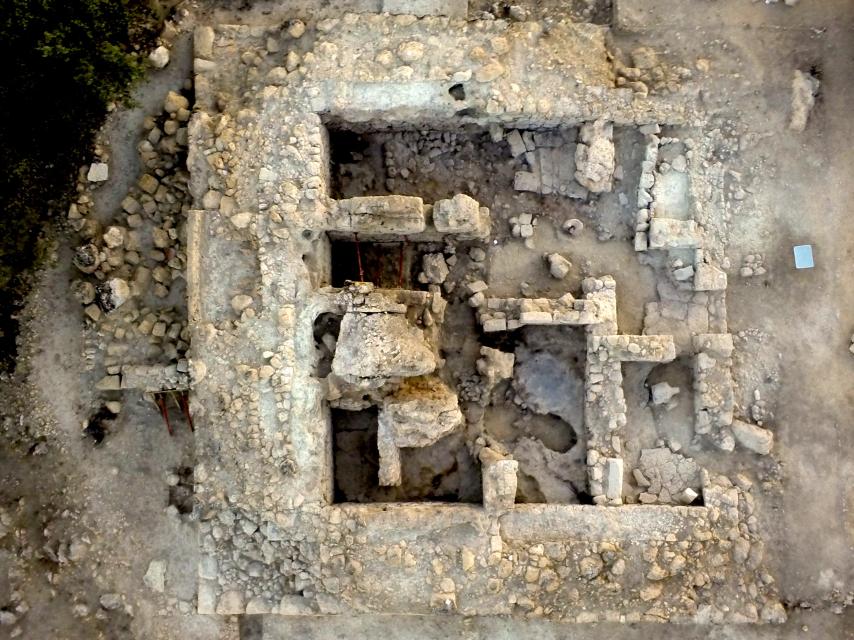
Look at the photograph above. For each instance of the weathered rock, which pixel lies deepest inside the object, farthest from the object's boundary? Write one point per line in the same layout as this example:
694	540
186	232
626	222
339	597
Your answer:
155	576
87	258
595	157
499	484
380	345
614	478
662	393
83	291
240	302
296	28
110	601
668	473
175	101
435	268
461	215
113	294
495	365
159	58
98	172
559	266
114	237
804	90
753	438
418	414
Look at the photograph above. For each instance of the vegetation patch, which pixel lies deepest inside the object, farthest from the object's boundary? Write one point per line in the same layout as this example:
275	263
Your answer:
66	60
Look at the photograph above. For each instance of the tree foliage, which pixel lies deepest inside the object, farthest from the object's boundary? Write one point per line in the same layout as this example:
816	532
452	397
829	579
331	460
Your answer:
63	61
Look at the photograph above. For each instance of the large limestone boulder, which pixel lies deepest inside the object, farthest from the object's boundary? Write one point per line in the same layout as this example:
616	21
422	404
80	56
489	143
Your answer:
381	345
462	216
418	414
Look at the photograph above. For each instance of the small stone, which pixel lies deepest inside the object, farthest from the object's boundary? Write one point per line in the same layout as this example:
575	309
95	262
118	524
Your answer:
110	601
517	13
159	58
87	258
155	577
241	302
296	28
490	71
292	61
435	268
656	572
83	291
98	172
662	393
241	220
467	558
590	567
477	254
148	183
411	51
175	101
113	294
651	592
93	312
684	273
109	383
211	200
559	266
687	496
477	285
131	206
114	237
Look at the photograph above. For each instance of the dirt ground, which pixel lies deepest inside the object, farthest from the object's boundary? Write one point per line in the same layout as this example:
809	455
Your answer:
81	524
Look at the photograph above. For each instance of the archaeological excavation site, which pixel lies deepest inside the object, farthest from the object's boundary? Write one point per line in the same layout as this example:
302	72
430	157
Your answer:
439	319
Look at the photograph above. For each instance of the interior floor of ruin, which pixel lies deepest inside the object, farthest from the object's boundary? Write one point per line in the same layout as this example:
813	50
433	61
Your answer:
465	319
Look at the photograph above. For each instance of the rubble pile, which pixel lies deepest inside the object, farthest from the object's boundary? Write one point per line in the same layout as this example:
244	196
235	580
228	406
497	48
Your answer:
134	265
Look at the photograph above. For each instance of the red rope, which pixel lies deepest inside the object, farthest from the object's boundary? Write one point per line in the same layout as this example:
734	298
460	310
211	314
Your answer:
160	401
400	265
359	258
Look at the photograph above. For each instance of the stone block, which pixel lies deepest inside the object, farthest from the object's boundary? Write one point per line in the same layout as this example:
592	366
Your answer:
381	215
463	216
669	233
536	317
708	277
614	478
526	181
450	8
499	485
753	438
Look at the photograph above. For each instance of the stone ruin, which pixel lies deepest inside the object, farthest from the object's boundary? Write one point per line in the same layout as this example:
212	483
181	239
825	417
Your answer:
657	537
